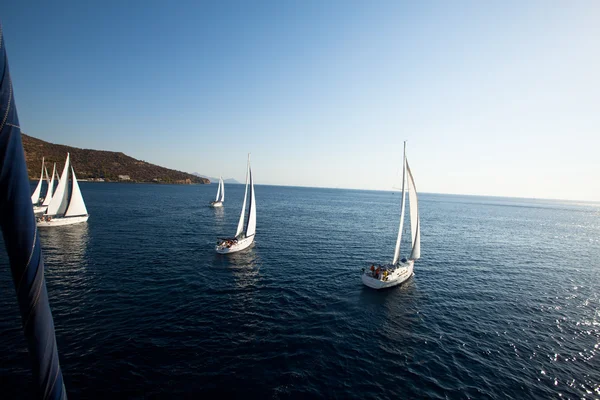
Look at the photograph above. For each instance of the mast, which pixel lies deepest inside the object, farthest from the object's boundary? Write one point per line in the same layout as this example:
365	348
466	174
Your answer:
397	249
240	226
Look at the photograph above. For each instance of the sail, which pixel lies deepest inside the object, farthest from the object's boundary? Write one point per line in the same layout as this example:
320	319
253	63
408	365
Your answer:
415	223
35	197
47	176
240	226
50	188
24	250
58	204
222	189
399	239
218	191
76	205
57	177
251	226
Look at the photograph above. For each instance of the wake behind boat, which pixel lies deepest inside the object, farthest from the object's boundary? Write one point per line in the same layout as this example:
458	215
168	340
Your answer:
220	194
243	238
388	275
62	210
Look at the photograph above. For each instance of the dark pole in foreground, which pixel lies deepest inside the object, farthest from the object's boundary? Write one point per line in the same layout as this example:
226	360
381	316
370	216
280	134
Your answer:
23	245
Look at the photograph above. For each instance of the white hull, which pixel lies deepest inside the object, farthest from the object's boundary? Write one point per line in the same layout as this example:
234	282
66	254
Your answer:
238	246
60	221
39	209
216	204
396	275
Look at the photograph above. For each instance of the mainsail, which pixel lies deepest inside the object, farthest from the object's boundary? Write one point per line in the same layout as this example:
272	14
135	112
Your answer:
222	189
57	177
251	225
415	223
76	205
240	226
35	197
399	239
47	176
58	204
50	191
218	190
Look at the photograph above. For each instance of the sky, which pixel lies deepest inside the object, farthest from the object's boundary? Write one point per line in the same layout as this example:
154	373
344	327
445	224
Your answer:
496	98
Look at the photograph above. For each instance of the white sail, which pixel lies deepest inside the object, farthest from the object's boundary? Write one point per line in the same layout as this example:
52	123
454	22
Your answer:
35	197
50	191
47	176
399	239
57	177
222	199
218	191
58	204
240	226
415	223
251	226
76	205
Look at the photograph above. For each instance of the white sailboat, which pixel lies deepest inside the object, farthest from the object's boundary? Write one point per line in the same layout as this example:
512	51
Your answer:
384	276
243	238
220	194
36	196
63	210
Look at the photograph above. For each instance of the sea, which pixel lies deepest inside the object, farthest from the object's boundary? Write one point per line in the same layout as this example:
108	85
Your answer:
504	303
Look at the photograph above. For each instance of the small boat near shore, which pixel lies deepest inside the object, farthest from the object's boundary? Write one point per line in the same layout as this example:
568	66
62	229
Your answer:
399	271
243	237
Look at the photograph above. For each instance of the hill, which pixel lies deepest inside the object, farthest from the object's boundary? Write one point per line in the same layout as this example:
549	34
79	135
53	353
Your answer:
99	164
215	180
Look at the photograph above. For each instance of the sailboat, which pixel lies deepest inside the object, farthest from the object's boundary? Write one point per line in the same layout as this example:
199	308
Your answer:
243	238
63	210
384	276
220	194
36	198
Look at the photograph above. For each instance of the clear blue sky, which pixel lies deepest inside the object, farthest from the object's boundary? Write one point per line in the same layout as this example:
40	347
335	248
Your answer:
494	98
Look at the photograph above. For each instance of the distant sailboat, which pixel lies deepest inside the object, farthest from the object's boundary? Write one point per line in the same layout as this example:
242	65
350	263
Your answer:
383	276
36	199
220	194
243	238
62	210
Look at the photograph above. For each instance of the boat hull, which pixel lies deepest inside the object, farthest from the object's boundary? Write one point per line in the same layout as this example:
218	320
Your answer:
399	275
61	221
241	244
216	204
37	210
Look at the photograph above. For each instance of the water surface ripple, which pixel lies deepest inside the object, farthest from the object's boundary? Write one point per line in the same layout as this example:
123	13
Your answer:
505	301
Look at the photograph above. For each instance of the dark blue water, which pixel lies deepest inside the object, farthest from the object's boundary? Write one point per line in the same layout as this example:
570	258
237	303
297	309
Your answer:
505	301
